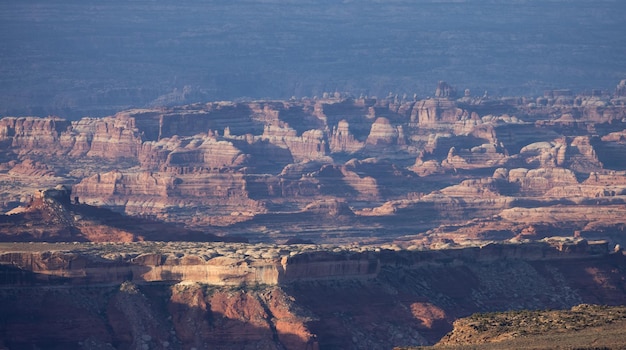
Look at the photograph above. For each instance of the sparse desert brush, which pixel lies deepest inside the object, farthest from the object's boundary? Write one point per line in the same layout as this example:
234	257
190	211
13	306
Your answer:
493	327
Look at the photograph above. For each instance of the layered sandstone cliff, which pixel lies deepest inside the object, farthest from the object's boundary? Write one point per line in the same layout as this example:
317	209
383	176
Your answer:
243	264
284	297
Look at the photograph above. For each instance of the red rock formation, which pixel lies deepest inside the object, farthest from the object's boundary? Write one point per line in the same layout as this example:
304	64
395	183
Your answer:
544	154
383	133
77	138
115	137
53	217
606	178
242	318
206	152
425	168
536	182
227	162
118	183
30	134
342	140
345	298
311	145
156	193
483	156
581	155
31	168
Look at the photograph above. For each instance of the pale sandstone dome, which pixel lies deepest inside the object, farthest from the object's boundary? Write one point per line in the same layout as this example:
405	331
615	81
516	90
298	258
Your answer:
342	140
382	132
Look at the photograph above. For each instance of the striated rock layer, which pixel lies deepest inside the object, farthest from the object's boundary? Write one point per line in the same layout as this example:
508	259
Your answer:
295	297
401	168
52	216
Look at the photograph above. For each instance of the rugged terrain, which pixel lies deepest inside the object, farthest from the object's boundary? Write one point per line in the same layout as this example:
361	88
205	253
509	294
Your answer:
583	327
158	295
450	170
371	223
51	216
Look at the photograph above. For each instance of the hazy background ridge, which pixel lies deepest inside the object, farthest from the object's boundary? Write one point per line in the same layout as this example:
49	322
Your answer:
76	58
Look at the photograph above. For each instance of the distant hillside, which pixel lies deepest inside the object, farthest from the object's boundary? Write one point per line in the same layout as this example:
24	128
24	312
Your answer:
51	216
77	58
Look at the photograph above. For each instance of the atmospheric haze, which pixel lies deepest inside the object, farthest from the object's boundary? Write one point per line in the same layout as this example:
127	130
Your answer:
76	58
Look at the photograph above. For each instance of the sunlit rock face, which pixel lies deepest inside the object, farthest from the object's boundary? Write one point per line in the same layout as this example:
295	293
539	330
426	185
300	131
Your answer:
621	89
31	134
342	140
382	132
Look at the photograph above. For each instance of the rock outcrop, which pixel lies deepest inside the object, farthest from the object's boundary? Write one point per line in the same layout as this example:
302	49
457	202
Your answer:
240	264
115	137
383	133
292	297
31	134
583	325
54	216
621	89
342	140
436	113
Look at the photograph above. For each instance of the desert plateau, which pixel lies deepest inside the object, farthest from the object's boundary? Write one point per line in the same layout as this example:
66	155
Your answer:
312	175
330	223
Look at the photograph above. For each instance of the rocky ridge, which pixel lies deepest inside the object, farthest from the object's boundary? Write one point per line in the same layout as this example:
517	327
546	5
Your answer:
501	326
581	327
243	264
52	216
183	295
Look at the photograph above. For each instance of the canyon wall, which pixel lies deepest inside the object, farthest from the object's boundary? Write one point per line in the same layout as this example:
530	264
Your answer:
241	264
233	296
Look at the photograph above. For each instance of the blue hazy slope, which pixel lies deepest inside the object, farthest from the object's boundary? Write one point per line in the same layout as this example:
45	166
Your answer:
73	58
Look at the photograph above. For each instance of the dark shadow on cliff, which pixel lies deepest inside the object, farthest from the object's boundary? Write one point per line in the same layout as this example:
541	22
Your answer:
15	276
59	220
54	317
361	314
147	228
264	156
413	300
156	315
407	305
599	282
611	154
